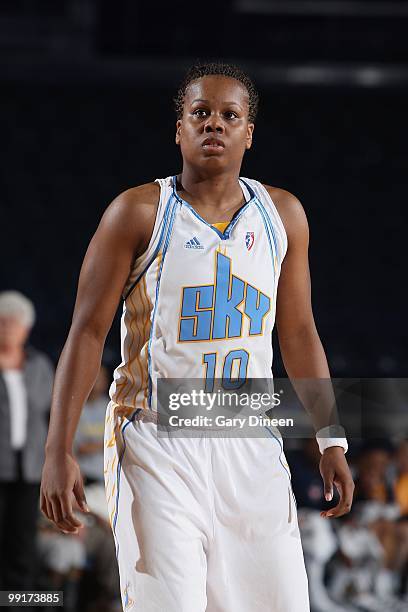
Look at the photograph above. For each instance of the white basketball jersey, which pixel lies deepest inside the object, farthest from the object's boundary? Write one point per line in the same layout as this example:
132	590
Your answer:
200	303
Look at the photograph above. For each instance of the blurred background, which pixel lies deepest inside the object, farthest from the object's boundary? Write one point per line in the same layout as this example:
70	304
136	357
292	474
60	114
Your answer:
86	100
86	90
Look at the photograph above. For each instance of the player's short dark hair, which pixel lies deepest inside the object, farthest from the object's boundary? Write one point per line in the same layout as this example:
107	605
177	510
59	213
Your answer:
198	71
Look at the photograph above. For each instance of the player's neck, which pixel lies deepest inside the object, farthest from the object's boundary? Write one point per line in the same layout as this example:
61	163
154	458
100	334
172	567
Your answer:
219	191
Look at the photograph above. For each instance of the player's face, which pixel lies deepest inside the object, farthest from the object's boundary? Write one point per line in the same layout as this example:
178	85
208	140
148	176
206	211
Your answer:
214	131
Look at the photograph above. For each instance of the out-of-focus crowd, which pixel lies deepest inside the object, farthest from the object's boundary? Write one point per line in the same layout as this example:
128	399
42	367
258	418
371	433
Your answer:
357	562
34	554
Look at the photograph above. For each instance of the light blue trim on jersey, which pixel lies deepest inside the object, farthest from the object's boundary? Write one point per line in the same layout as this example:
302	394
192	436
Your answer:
235	220
215	229
268	219
257	204
118	471
153	257
166	244
252	194
265	218
280	459
227	232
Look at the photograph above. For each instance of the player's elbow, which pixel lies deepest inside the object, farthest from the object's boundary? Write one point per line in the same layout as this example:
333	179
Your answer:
295	337
91	328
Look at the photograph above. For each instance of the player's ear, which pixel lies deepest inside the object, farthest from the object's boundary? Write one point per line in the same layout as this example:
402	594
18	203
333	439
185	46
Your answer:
178	131
250	131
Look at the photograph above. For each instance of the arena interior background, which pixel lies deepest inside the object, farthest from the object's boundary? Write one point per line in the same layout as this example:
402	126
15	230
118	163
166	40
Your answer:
86	91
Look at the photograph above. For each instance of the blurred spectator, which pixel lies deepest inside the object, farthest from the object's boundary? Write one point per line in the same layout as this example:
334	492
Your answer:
360	561
83	566
376	507
319	545
318	536
62	560
26	378
401	483
88	443
101	586
373	482
373	542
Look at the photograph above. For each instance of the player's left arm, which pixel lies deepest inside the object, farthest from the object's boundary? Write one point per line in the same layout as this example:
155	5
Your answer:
301	348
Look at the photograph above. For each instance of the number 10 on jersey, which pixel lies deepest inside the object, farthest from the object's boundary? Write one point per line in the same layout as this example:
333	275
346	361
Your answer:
233	369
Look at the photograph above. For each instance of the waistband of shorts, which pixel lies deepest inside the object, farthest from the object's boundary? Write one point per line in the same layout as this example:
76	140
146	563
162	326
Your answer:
216	431
144	415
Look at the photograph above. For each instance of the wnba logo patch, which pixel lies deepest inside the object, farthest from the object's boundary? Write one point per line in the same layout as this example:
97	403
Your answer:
249	240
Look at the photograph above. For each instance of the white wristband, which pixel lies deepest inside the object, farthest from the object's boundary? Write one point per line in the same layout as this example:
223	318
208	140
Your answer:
333	435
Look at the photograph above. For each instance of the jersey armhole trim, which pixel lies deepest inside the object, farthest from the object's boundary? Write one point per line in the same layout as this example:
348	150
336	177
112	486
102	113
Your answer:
156	251
278	220
149	346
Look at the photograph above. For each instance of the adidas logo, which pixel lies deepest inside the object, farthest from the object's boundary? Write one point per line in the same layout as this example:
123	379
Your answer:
194	243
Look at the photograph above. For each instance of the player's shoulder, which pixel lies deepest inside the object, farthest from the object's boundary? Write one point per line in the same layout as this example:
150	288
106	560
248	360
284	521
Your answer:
136	204
129	219
289	208
140	197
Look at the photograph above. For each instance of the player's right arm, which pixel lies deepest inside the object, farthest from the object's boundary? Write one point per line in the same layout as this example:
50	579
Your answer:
122	235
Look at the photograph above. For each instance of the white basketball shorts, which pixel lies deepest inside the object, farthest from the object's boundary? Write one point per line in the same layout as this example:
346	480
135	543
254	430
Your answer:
203	523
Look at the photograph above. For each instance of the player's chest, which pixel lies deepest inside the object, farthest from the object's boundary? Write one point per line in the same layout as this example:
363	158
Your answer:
234	265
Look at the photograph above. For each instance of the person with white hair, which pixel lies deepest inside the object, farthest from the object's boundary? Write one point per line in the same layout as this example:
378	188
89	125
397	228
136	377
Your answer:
26	378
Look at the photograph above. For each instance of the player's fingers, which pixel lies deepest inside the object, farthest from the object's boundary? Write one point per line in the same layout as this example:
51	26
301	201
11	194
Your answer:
328	484
345	488
56	511
47	509
43	504
66	527
51	508
68	517
333	512
57	515
80	495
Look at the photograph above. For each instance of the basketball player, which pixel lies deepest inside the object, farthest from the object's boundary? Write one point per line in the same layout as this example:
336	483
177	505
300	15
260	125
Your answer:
205	523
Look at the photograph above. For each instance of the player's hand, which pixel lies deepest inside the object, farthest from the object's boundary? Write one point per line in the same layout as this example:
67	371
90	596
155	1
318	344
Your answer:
335	471
61	485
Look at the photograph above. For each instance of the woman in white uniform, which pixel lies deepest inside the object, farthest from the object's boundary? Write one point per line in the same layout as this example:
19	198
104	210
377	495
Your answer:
206	261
